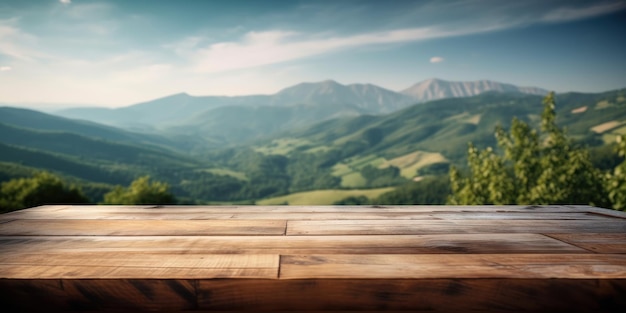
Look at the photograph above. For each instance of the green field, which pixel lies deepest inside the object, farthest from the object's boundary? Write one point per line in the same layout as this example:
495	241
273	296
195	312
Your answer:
410	163
282	146
353	180
322	197
349	170
227	172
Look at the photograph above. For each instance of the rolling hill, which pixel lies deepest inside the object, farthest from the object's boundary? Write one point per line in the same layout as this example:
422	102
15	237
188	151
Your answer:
446	126
36	120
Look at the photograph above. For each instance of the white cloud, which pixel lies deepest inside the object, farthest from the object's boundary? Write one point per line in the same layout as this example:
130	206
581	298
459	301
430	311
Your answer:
271	47
5	68
570	14
65	1
436	60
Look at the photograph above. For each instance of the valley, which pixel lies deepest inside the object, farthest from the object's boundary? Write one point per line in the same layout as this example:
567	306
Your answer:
312	143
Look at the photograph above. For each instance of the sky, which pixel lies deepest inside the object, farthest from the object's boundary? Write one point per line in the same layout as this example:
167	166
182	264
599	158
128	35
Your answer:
63	53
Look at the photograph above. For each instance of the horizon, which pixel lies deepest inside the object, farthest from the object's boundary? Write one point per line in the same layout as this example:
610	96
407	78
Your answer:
81	53
57	107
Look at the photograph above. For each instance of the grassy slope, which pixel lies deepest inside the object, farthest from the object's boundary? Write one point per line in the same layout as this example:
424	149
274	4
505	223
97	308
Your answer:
446	126
322	197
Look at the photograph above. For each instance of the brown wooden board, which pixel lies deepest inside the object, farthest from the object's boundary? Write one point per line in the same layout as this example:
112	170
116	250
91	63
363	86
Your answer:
420	266
311	209
599	243
391	244
398	227
424	295
313	258
184	214
142	227
105	264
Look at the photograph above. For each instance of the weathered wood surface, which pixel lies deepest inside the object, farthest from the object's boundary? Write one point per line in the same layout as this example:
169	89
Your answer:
318	258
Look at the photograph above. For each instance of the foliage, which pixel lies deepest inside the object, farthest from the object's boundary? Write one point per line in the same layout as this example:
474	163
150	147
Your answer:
536	168
439	168
43	188
141	191
380	177
353	200
616	181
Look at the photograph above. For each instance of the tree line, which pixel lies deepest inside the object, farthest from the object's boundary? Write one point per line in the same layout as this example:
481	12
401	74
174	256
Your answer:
541	166
46	188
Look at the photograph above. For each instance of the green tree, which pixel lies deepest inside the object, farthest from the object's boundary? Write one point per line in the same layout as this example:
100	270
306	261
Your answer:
542	167
616	181
141	191
43	188
353	200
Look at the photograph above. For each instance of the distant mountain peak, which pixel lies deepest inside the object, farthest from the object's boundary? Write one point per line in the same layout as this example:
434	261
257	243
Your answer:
435	88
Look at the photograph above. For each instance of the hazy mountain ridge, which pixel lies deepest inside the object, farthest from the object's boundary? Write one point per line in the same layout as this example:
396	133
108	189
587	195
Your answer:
32	119
222	120
435	89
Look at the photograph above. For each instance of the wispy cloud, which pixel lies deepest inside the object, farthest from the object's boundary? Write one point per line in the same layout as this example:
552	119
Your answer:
17	44
277	46
436	60
5	68
567	14
65	1
271	47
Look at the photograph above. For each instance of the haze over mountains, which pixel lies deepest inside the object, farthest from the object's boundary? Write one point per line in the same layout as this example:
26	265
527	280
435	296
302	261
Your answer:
238	118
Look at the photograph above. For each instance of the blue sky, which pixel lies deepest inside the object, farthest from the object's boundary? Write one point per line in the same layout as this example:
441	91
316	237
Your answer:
116	53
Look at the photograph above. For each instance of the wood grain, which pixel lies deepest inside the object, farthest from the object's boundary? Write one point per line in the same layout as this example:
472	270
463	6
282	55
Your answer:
548	266
141	227
399	227
599	243
184	214
438	295
106	265
393	244
557	258
433	295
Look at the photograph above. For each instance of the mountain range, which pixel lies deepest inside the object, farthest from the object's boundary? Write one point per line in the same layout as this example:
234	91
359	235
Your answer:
435	89
309	136
220	120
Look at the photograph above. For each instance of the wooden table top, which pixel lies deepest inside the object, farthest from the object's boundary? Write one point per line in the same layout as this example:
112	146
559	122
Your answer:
314	258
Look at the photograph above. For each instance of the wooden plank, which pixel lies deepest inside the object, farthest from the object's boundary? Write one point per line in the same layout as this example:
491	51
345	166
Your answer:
147	215
391	244
600	211
425	266
98	295
116	265
317	209
599	243
520	216
404	227
187	215
142	227
434	295
141	272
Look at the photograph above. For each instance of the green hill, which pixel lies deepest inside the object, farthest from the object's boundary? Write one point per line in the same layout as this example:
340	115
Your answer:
445	126
25	118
